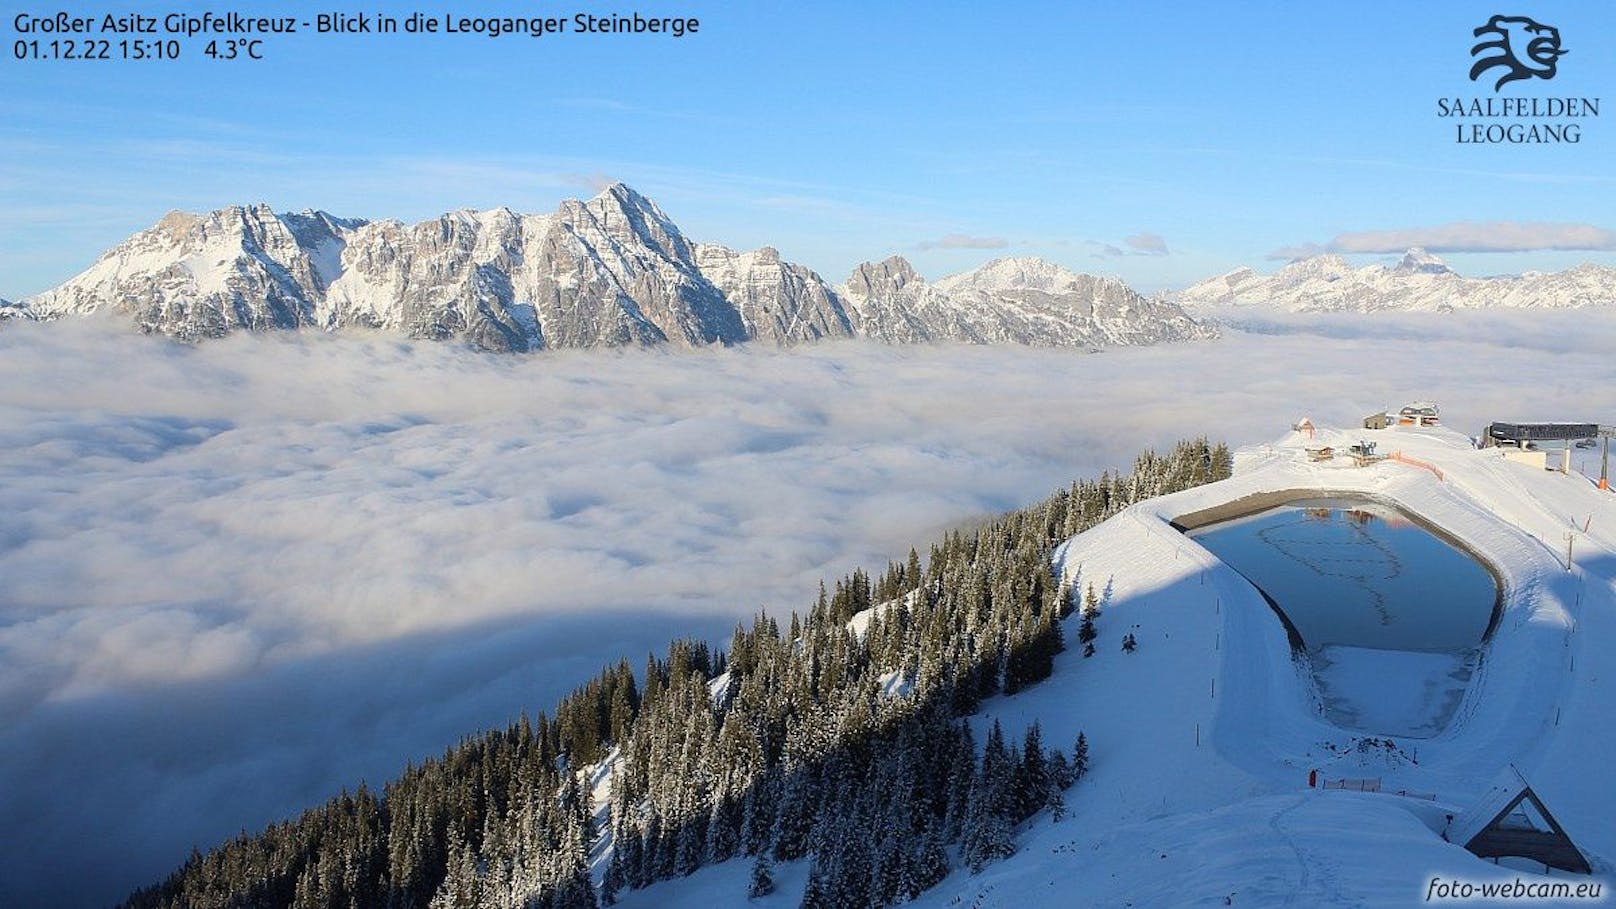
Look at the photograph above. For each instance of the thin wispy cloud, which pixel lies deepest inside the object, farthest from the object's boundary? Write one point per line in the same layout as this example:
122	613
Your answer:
237	577
594	182
1464	237
1143	243
1147	243
963	241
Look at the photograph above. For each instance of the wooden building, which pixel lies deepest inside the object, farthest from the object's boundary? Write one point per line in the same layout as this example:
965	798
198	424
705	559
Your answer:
1511	821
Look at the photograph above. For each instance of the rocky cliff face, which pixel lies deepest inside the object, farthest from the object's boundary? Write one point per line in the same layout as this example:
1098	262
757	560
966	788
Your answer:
777	301
613	270
201	276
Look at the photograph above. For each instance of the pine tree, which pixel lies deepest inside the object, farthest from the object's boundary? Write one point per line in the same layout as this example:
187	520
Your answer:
961	776
762	883
657	851
622	708
757	818
1086	631
889	878
690	844
1055	801
1080	757
613	880
723	831
987	831
575	889
930	865
814	895
795	821
462	886
1032	779
1060	769
632	849
986	836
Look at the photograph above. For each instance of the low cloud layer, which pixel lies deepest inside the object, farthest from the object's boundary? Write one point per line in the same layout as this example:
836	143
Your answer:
963	241
1464	237
237	577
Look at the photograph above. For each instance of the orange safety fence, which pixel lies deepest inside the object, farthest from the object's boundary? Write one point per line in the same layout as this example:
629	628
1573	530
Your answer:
1369	785
1416	462
1364	785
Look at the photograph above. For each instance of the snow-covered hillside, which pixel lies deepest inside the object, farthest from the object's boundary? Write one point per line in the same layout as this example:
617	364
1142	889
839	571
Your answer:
612	270
1419	281
1203	740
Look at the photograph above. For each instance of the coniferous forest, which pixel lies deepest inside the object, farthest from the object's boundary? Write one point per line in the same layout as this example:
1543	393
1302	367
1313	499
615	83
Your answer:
806	738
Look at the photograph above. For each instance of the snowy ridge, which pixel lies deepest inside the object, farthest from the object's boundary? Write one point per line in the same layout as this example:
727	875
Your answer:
1011	273
612	270
1419	281
1202	740
1021	300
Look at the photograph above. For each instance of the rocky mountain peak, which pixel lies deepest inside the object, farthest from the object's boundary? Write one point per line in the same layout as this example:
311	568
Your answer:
1418	261
176	224
1012	273
1327	265
890	274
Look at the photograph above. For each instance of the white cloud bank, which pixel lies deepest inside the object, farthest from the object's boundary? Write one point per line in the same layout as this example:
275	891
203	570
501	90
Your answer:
237	577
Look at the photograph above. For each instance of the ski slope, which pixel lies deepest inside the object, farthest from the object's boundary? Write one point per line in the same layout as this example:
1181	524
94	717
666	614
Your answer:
1202	740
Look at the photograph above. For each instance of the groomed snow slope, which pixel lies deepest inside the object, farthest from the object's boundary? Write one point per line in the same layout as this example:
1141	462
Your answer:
1202	740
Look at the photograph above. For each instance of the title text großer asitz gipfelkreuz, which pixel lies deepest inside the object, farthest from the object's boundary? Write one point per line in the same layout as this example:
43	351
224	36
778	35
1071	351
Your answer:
1517	121
186	24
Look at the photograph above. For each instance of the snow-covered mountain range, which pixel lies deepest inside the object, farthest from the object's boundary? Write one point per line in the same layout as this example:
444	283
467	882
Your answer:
1418	282
612	270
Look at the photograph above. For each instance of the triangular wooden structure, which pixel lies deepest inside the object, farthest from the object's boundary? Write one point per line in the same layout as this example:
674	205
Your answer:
1510	820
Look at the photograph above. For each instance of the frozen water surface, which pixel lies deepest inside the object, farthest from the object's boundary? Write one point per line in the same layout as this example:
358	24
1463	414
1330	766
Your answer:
1389	613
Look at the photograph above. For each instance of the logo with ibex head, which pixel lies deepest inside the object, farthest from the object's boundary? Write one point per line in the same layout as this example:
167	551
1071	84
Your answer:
1524	47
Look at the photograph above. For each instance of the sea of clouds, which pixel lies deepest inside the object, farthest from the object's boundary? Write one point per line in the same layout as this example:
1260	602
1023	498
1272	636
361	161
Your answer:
240	576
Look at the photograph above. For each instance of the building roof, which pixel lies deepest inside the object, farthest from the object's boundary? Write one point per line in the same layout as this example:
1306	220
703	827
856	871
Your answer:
1526	432
1511	819
1470	822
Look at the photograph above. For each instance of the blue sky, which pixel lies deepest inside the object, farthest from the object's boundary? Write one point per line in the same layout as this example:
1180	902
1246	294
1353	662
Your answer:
841	132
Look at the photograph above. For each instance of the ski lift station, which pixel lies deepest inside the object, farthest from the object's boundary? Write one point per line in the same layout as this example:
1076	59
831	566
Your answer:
1419	413
1530	442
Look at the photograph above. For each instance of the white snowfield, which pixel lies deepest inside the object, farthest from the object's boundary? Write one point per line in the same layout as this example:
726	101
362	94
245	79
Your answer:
1202	740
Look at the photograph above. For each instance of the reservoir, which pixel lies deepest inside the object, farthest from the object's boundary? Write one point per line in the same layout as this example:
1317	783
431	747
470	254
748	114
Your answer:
1389	614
